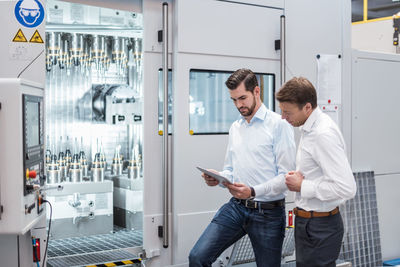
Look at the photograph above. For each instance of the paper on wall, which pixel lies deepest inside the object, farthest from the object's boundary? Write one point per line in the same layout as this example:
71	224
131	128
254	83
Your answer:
329	79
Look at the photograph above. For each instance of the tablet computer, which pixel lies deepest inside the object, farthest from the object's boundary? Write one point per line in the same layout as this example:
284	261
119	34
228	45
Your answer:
220	178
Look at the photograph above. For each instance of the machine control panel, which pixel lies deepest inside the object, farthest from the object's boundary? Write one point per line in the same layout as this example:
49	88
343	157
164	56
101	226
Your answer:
33	142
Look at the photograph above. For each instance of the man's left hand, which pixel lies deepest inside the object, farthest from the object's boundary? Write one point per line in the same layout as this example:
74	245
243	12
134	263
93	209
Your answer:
239	190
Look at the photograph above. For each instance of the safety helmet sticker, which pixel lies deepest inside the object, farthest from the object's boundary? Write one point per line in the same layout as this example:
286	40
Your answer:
29	13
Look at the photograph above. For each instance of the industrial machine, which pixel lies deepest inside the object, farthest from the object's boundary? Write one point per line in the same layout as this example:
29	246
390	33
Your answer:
23	235
121	136
22	170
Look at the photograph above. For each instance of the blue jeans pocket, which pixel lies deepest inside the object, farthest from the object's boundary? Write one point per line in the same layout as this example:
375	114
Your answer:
274	214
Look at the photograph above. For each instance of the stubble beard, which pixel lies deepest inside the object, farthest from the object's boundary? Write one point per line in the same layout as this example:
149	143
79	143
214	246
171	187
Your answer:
249	110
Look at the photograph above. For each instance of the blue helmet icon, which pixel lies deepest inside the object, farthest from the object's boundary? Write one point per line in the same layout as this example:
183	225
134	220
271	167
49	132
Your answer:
29	13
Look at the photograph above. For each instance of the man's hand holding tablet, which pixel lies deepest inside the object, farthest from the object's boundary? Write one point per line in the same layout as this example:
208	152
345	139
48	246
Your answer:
212	177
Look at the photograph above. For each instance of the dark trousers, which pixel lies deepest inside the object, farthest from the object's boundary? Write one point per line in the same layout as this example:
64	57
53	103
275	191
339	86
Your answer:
266	230
318	240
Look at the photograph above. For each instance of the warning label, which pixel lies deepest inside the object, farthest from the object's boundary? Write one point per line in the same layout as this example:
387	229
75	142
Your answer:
20	37
36	38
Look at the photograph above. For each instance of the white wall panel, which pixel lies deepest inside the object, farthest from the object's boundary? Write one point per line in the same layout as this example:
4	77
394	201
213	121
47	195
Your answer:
311	31
375	118
225	28
320	27
185	224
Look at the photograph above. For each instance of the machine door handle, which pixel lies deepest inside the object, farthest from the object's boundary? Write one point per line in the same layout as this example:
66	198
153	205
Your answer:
283	49
166	207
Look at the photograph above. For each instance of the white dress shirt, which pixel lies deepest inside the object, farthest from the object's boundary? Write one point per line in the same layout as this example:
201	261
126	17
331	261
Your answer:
259	152
321	158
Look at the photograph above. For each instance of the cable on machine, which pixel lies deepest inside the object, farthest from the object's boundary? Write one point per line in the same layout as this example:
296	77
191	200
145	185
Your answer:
48	231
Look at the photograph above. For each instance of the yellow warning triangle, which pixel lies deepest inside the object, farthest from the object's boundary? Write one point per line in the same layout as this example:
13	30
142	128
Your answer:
19	37
36	38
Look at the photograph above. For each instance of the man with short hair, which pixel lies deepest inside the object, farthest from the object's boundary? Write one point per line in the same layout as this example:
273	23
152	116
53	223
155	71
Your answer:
260	151
323	178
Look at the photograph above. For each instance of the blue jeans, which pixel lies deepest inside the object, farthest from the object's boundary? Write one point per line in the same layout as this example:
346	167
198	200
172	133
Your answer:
266	230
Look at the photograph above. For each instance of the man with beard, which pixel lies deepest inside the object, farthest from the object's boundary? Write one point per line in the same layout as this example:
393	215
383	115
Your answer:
323	178
260	151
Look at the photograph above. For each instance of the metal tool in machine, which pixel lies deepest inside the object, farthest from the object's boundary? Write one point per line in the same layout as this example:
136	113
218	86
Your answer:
84	164
116	166
97	169
68	160
63	167
53	43
134	164
75	170
53	171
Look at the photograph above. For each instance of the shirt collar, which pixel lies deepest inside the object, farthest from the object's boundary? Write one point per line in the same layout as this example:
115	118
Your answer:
260	114
311	120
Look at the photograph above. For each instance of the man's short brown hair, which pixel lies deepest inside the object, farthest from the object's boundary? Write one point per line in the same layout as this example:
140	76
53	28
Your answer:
242	75
298	90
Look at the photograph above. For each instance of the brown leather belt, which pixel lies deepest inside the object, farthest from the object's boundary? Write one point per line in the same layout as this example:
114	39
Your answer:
310	214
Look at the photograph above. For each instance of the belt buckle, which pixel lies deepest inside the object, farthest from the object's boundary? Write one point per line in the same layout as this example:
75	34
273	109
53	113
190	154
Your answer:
247	203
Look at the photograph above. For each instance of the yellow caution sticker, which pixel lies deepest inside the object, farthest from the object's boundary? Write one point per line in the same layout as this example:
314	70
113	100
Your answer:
118	263
191	132
20	37
160	132
36	38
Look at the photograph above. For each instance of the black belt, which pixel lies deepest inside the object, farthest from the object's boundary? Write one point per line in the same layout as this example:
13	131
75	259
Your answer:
268	205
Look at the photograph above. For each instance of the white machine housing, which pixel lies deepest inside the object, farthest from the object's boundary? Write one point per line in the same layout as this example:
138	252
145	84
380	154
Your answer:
16	218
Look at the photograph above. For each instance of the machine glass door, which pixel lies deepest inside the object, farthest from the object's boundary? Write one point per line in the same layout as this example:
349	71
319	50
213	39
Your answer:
94	133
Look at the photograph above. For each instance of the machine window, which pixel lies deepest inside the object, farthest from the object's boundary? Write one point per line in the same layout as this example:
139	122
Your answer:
211	109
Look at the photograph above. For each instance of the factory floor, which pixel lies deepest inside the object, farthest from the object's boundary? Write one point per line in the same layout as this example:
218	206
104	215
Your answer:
95	250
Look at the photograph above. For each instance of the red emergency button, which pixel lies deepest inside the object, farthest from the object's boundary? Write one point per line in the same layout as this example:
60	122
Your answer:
30	174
